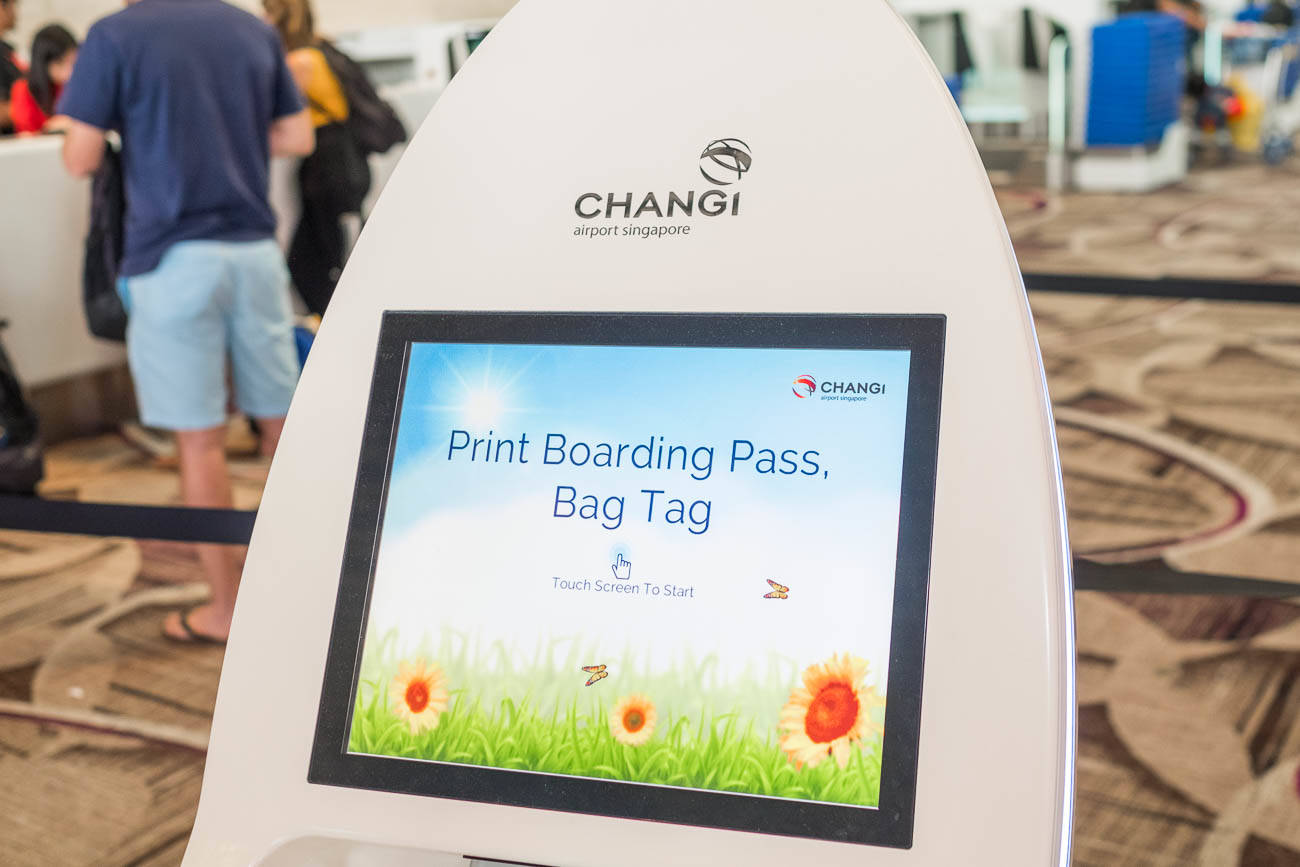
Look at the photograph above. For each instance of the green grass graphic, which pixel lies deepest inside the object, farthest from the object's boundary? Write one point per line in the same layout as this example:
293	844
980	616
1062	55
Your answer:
533	713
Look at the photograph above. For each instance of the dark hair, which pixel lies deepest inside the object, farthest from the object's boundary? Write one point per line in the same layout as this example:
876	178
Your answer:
48	45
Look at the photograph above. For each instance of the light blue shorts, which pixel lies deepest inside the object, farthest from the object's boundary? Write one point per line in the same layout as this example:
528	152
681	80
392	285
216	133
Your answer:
206	302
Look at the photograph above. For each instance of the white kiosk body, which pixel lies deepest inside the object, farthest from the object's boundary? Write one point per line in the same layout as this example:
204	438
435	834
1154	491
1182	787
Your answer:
751	264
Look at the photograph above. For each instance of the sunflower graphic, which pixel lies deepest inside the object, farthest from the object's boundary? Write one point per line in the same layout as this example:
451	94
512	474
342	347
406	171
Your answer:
829	712
632	720
419	695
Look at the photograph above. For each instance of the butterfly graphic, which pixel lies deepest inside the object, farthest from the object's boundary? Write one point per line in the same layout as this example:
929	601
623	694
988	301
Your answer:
779	591
597	673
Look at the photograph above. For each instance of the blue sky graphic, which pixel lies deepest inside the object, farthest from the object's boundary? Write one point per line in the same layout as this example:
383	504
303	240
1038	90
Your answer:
692	397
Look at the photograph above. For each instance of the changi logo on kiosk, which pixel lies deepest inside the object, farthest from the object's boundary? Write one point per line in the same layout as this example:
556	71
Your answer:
806	386
723	162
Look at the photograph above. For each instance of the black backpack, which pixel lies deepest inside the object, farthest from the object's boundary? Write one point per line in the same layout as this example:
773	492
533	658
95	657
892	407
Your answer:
372	122
22	461
105	315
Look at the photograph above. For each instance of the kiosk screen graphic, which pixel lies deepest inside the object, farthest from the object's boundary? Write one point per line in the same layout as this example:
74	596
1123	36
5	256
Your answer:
669	579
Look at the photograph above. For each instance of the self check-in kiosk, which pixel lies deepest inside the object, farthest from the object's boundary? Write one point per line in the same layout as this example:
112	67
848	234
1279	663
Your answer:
672	480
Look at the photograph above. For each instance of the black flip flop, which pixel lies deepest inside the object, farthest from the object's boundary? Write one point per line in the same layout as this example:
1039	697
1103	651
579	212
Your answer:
193	636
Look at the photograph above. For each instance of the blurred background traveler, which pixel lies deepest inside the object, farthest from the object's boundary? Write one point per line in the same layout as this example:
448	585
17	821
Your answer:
335	178
201	97
1190	12
11	68
32	99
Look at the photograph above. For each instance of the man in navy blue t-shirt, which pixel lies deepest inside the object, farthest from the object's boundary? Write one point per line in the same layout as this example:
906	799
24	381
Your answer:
202	98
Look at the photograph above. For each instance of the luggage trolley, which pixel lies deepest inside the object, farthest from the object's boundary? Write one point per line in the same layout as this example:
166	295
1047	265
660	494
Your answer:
1281	118
1263	63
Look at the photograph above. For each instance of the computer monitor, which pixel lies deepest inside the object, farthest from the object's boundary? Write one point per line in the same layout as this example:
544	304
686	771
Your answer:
647	566
464	43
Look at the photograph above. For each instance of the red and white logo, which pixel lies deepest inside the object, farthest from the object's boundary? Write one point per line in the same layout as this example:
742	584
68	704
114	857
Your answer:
805	386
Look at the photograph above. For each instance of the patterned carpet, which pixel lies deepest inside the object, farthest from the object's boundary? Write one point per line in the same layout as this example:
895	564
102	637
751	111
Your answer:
1180	446
101	718
1238	223
1179	425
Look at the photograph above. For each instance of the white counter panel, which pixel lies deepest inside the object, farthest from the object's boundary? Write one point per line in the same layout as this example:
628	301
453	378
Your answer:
40	266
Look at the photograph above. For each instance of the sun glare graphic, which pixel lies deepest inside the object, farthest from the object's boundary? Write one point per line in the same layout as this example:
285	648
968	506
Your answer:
479	395
483	406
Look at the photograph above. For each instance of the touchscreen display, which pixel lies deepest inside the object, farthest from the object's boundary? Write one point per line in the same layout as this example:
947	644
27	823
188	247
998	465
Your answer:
673	568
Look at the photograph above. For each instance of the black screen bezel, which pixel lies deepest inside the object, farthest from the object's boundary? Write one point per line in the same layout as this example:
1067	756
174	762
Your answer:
890	824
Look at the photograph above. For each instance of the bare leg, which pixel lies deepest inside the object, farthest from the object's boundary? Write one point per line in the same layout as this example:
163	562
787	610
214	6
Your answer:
205	482
271	429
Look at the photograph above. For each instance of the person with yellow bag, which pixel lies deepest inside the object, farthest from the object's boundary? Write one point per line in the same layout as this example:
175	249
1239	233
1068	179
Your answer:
351	122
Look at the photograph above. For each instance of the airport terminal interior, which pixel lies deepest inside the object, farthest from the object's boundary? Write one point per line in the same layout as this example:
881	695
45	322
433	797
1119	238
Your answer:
1143	158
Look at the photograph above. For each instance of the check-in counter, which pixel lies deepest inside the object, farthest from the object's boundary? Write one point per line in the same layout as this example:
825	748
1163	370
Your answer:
42	243
40	266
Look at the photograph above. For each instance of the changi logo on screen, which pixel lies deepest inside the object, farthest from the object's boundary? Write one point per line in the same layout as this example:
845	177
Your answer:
805	385
723	162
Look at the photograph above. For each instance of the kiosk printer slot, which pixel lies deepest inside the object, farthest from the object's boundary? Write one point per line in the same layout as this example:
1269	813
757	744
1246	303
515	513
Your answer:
672	481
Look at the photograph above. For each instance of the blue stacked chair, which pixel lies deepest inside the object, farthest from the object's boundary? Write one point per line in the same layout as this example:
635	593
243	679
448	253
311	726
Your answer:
1138	72
954	83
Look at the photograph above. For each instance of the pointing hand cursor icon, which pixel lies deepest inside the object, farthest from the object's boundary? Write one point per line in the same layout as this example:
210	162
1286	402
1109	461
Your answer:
621	568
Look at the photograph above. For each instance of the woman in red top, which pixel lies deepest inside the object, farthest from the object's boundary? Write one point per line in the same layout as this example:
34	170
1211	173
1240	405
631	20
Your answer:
32	100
